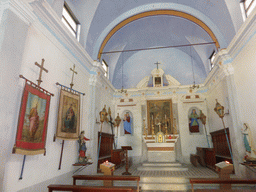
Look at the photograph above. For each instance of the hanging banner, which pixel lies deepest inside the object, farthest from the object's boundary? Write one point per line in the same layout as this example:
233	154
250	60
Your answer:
33	120
68	127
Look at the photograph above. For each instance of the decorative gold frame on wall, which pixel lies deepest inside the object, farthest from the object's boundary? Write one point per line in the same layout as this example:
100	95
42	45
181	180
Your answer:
161	110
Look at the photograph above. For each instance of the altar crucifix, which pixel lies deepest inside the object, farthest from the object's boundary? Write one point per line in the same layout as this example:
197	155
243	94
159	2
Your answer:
41	71
157	64
74	72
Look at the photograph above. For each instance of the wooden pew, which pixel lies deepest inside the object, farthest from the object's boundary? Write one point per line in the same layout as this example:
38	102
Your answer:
80	188
108	177
220	181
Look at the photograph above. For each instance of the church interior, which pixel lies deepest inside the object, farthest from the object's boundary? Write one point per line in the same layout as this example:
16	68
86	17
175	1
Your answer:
162	86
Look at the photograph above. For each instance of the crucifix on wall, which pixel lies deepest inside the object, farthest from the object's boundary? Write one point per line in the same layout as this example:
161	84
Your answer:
41	71
74	72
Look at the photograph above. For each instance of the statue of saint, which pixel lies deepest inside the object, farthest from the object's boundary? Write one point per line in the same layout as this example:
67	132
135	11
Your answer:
82	148
127	123
193	122
248	142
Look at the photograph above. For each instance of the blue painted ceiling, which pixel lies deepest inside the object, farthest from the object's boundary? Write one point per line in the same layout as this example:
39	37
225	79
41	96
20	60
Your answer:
223	17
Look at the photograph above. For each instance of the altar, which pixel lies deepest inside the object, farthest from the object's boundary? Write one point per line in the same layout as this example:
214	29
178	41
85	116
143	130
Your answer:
161	150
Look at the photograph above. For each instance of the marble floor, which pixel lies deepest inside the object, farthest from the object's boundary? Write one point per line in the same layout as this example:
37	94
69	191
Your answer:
162	180
165	180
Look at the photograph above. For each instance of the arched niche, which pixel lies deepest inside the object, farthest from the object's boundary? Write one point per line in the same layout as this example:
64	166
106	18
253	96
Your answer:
122	126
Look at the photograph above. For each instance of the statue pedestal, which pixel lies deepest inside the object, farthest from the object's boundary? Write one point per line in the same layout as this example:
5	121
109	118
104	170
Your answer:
161	152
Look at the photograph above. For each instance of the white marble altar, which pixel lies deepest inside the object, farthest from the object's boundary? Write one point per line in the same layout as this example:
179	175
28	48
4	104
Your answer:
161	152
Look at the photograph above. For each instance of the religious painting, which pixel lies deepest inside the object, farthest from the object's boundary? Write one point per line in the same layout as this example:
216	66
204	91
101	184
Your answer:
127	122
160	117
193	121
69	116
157	81
33	120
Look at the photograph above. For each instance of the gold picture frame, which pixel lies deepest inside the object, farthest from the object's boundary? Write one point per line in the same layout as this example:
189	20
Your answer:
159	116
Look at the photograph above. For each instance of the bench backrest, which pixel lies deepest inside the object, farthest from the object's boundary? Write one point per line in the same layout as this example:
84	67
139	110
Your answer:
106	177
79	188
222	181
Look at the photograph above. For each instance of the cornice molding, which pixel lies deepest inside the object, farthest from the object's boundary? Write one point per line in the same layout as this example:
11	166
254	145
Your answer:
21	9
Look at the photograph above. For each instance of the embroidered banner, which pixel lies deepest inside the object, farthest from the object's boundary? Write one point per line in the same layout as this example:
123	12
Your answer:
33	120
69	116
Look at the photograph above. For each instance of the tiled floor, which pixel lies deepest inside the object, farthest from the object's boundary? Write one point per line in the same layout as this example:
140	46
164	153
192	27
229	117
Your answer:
193	172
161	181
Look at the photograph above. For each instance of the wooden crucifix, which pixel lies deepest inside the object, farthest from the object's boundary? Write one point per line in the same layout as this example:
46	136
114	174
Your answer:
39	81
157	64
74	72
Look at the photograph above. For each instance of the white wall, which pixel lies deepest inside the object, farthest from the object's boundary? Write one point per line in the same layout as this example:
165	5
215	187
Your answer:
27	40
232	82
244	79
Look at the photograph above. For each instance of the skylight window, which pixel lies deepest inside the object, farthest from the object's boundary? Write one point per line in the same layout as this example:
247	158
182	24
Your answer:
70	21
248	6
105	67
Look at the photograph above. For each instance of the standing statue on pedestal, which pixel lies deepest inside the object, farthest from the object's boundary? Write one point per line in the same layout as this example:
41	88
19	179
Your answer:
82	148
248	143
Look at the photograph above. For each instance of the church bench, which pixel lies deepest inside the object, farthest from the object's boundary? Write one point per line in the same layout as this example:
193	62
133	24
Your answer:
80	188
108	177
220	181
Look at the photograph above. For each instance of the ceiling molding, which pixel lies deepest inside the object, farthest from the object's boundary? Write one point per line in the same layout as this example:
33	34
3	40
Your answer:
154	13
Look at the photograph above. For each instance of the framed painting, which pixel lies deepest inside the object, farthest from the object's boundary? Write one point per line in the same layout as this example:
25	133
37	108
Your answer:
33	120
159	116
68	127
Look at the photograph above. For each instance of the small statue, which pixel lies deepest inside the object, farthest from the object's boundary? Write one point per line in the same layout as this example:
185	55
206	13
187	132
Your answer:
82	148
248	143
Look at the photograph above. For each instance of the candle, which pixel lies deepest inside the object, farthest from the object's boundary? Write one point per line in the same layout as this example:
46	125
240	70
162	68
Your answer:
152	117
165	116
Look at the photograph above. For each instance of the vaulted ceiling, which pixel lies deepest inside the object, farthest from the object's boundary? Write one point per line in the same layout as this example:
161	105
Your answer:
137	27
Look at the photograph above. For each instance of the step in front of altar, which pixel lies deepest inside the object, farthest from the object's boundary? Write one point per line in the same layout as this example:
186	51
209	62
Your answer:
162	167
